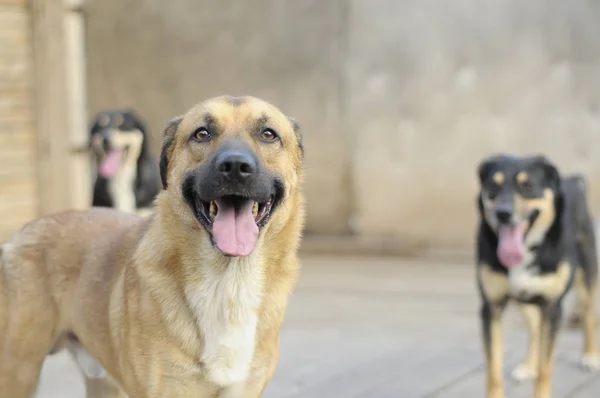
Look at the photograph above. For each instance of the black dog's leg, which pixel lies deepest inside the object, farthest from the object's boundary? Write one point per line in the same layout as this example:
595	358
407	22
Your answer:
551	318
491	322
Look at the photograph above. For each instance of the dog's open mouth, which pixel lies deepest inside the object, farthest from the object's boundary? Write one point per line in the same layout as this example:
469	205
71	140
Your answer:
511	240
234	222
111	161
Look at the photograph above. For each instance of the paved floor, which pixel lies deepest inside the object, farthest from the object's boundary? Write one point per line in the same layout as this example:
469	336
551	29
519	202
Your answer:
375	328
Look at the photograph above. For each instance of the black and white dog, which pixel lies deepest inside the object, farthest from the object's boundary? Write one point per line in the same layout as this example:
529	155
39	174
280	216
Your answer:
127	178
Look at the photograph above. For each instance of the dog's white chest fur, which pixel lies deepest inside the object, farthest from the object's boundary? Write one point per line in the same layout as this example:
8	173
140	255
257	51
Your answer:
521	277
226	303
122	186
525	280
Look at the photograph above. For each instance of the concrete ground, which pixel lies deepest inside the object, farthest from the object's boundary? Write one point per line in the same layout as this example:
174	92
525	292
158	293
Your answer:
383	328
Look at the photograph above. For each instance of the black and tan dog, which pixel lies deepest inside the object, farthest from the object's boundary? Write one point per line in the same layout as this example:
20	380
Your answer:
127	173
535	241
187	302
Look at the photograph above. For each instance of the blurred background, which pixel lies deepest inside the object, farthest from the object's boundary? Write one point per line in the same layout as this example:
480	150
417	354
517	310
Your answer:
398	101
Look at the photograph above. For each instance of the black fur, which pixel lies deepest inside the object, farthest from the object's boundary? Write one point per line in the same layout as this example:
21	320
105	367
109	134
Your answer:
551	251
296	127
168	137
579	227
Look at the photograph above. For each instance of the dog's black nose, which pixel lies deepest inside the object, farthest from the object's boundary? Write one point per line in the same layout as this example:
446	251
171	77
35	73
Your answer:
503	215
236	165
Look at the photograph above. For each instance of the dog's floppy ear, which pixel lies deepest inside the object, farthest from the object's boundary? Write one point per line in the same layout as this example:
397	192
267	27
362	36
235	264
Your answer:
298	133
138	123
551	172
484	169
165	153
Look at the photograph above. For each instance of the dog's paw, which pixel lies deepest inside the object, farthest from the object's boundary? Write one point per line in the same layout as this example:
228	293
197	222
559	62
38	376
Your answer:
523	373
590	362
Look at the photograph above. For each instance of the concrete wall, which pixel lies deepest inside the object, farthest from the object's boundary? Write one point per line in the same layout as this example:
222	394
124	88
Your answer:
162	58
398	99
18	166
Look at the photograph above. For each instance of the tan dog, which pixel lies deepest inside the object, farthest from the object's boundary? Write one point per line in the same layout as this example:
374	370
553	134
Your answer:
186	303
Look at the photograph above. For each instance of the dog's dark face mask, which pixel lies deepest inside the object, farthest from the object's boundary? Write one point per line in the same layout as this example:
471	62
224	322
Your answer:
233	195
243	159
518	200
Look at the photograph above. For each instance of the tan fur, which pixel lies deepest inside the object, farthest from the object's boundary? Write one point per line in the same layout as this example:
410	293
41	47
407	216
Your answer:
522	177
524	207
495	359
586	298
498	288
547	214
543	384
528	369
163	312
499	177
549	286
494	284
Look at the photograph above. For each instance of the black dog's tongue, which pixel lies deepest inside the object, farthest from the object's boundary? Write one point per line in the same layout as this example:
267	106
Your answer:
511	245
234	228
110	164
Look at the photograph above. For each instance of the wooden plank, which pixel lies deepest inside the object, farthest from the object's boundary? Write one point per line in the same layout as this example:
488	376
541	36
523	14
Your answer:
414	378
80	172
15	2
51	114
348	344
326	355
591	389
23	140
17	187
567	377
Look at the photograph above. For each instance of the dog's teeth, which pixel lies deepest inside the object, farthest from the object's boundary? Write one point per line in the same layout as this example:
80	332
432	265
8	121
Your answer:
255	209
213	209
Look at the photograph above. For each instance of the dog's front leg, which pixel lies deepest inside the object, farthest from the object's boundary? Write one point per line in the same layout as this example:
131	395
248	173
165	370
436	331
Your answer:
551	318
491	319
529	368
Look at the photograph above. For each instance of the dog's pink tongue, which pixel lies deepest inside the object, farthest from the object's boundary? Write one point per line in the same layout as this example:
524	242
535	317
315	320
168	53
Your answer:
235	232
511	248
110	164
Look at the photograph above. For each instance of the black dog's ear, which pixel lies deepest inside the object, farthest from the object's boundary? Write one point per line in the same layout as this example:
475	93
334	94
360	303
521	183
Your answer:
551	172
93	130
102	119
95	127
298	133
487	166
484	169
165	153
138	122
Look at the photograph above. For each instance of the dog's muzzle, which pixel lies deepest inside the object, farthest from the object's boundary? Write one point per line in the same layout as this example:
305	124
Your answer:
233	196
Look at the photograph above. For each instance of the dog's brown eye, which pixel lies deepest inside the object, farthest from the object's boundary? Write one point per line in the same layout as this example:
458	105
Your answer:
268	135
526	187
201	135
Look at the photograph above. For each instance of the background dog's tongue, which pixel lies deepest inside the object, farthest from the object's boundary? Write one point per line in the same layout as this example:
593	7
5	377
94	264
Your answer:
235	230
511	248
110	164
